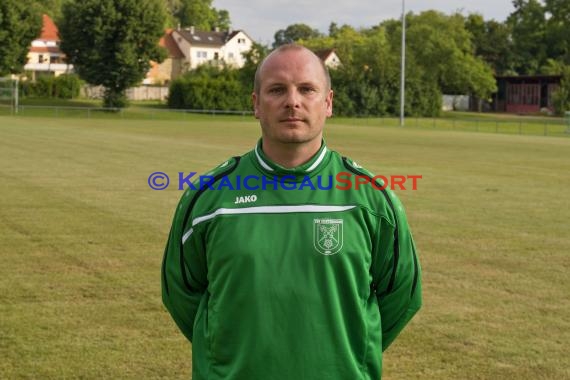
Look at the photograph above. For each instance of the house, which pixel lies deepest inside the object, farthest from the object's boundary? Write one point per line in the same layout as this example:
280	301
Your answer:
225	48
329	57
171	67
45	57
525	93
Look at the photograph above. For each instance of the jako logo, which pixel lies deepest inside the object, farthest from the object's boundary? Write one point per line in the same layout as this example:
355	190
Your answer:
246	199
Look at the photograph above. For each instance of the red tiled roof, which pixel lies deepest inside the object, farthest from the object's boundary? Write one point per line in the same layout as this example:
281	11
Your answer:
45	49
168	42
49	30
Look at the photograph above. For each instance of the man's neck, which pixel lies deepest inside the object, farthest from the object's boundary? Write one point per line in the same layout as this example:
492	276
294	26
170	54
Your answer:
291	155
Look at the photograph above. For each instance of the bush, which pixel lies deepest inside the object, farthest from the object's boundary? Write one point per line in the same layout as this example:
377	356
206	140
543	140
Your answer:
209	88
356	95
45	87
65	86
366	92
27	88
561	98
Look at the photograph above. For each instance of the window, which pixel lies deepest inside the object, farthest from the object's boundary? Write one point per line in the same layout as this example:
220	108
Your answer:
202	54
41	58
231	55
241	40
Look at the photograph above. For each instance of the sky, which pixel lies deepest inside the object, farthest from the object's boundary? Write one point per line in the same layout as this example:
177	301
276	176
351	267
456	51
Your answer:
260	19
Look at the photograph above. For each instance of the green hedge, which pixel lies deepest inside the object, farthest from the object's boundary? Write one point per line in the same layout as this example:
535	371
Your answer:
209	88
356	92
65	86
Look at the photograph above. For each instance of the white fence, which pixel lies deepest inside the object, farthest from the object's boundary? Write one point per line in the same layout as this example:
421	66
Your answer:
455	103
133	93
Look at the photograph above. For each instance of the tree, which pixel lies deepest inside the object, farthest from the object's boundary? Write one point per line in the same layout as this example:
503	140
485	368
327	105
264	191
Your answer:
201	14
51	7
557	34
492	42
442	45
172	8
111	42
253	58
223	21
367	81
561	98
333	29
20	24
440	58
295	33
528	25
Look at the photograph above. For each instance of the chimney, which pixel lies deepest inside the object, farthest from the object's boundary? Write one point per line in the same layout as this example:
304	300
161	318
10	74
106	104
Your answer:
217	29
192	29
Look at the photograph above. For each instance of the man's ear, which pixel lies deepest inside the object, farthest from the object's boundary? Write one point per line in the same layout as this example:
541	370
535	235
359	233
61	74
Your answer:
254	101
329	103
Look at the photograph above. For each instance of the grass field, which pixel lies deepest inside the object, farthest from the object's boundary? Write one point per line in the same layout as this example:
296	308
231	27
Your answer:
82	237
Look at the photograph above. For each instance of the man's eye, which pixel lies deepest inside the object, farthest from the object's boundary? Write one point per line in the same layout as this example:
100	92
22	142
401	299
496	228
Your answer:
306	90
276	90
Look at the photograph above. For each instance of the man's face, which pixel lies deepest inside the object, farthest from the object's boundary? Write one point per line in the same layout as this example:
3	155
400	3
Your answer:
294	98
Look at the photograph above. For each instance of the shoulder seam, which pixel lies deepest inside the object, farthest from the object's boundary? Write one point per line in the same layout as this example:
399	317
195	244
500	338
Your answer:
396	240
189	211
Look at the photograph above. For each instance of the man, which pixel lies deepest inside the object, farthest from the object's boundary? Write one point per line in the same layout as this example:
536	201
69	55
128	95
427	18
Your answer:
289	281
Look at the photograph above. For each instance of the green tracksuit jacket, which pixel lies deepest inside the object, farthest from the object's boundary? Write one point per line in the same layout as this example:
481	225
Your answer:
276	276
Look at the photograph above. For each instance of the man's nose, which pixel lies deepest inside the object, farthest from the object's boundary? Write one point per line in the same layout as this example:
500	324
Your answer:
293	98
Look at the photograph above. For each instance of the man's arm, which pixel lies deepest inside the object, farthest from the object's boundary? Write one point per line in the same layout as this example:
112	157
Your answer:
397	274
183	270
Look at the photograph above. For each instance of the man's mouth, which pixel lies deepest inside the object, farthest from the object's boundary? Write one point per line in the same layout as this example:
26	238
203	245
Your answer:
292	119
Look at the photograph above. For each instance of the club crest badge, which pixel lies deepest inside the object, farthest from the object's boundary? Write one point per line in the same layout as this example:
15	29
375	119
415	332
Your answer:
328	235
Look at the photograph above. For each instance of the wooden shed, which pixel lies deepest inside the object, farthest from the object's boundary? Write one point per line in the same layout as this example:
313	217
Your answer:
525	93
